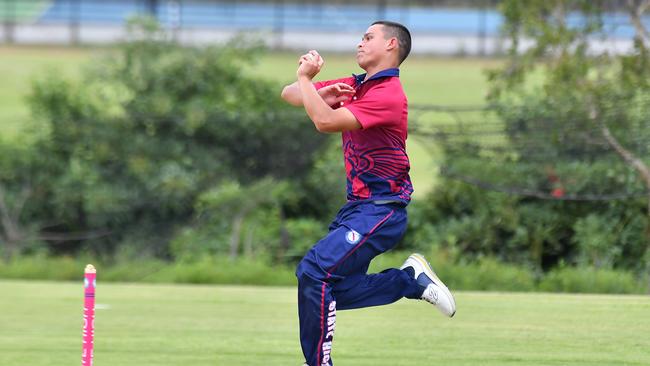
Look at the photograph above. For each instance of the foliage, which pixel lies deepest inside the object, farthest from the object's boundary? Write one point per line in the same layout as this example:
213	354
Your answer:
553	187
484	274
229	215
131	151
591	280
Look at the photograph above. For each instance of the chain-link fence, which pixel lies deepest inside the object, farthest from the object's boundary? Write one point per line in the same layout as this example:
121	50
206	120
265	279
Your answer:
440	26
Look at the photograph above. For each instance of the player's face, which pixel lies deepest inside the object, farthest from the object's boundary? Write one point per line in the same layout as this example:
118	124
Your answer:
372	47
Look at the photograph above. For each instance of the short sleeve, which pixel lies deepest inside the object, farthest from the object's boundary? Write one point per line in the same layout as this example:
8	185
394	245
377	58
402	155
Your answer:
380	107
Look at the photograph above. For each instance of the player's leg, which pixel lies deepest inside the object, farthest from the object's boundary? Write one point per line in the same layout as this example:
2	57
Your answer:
415	279
316	305
330	261
376	289
317	315
359	289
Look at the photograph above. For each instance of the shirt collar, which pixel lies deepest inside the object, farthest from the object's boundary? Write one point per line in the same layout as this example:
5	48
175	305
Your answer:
358	79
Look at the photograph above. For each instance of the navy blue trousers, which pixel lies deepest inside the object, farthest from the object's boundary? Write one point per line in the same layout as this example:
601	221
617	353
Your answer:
332	275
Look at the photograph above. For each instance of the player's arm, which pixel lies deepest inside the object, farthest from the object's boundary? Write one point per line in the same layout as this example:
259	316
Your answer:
292	95
332	94
324	117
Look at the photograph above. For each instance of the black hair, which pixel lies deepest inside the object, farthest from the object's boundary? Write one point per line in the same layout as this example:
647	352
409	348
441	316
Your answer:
399	31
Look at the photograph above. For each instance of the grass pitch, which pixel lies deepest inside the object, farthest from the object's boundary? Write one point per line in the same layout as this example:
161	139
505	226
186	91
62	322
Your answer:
19	66
250	326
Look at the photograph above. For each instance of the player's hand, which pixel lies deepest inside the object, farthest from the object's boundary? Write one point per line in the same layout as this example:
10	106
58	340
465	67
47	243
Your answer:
309	64
336	93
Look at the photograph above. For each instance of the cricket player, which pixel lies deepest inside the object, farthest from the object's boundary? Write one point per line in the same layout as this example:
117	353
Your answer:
370	111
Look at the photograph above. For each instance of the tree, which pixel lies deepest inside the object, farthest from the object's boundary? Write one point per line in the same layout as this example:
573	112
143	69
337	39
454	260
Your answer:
592	101
149	128
603	89
561	149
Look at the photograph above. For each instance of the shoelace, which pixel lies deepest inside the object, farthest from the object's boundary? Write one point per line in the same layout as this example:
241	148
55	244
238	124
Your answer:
430	295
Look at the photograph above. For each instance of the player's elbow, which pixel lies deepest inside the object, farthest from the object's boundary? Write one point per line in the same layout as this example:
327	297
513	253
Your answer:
288	94
339	120
325	126
285	93
320	127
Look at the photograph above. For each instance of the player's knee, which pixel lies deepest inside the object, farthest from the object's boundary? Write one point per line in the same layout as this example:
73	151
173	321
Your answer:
303	269
308	269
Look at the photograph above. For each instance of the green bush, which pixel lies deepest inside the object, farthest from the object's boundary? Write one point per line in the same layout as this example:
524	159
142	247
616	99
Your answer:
472	223
486	274
214	270
490	275
304	233
225	271
574	131
130	150
591	280
129	271
42	268
594	235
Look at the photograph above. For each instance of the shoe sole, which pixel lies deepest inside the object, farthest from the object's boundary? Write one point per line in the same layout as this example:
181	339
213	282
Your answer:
427	268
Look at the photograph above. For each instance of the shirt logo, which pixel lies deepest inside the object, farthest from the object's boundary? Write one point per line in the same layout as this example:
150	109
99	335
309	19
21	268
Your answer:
352	237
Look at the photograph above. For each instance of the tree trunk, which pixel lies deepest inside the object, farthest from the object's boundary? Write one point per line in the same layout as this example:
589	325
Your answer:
633	161
248	242
635	11
12	233
285	238
235	235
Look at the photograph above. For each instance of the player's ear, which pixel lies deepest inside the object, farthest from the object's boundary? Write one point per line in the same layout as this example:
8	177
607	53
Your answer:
391	44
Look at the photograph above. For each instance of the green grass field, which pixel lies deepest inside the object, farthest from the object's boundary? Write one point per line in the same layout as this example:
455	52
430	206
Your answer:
19	66
251	326
426	80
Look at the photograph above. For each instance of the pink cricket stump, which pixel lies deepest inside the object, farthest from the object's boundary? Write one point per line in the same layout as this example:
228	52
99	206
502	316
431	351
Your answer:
89	315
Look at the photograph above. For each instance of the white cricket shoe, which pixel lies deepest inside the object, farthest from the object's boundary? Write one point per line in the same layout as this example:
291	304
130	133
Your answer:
435	290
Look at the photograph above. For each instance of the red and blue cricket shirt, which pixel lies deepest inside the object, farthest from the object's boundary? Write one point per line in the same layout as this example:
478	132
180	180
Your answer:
376	162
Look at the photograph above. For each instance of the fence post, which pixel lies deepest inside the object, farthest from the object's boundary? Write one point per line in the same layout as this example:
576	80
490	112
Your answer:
152	8
381	10
482	27
405	10
278	26
174	17
10	20
75	21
